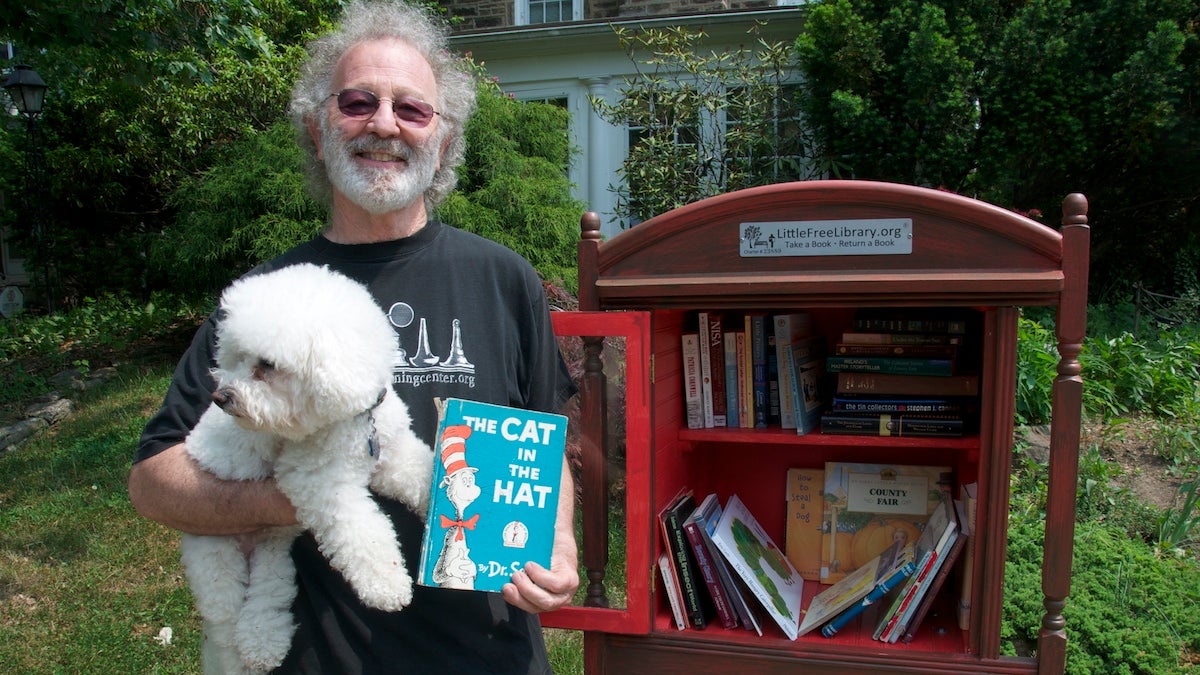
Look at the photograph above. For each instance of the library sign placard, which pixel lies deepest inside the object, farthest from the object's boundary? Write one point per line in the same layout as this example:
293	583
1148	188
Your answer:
879	236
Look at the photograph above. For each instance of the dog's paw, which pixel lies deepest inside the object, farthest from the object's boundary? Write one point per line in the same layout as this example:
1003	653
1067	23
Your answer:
392	596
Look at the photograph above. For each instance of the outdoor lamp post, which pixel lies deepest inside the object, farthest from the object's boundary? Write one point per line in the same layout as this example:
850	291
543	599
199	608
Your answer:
28	92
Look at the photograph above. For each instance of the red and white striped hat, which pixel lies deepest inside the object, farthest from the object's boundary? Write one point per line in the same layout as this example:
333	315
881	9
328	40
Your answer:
454	448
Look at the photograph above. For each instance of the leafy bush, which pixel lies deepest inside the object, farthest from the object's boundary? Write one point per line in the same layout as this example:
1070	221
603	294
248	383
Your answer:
33	346
1129	611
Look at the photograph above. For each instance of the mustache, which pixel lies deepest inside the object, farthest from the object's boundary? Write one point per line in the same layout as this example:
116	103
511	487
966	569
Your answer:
397	148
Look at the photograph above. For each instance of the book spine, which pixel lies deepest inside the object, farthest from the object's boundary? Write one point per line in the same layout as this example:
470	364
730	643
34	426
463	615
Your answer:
716	349
758	358
889	365
907	385
939	581
966	583
897	406
881	589
745	372
706	387
890	425
732	390
708	571
693	407
688	582
671	591
869	338
772	380
953	326
925	351
923	567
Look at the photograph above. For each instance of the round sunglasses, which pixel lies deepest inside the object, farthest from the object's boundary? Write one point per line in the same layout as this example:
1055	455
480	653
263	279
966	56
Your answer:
361	104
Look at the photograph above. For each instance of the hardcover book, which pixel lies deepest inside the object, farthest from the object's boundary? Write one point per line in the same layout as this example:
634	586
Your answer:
868	507
733	388
716	355
759	326
946	351
857	585
697	605
884	424
761	565
907	385
493	496
900	406
693	528
802	538
892	365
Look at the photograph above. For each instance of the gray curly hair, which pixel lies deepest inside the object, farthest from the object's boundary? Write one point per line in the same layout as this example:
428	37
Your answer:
364	20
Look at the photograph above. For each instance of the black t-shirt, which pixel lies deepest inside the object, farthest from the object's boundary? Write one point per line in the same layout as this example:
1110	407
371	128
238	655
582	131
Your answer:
471	322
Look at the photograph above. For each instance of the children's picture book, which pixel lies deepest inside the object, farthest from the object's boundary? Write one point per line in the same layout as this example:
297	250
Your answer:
802	535
894	566
761	565
494	494
937	534
868	507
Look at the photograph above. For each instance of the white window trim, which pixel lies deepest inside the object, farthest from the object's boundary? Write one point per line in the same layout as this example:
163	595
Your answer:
521	11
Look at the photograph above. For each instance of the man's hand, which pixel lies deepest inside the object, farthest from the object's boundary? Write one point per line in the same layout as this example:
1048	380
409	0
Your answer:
536	589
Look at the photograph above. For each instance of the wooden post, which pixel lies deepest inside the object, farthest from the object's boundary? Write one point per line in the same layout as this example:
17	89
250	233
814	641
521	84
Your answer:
1067	404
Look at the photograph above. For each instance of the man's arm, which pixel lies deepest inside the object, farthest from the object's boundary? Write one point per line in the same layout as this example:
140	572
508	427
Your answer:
536	589
172	489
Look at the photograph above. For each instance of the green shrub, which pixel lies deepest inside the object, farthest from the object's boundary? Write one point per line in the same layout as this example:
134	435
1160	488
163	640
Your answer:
1129	611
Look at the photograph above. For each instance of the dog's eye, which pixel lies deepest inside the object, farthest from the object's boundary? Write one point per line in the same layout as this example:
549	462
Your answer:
263	369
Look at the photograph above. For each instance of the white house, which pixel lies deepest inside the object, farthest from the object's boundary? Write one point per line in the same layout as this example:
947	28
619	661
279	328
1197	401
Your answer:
567	62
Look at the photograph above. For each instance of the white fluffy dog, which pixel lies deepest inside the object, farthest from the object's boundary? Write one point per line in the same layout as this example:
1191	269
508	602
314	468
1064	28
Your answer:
304	396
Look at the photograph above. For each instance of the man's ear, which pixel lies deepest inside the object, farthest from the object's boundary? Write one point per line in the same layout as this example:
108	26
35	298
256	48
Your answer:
314	132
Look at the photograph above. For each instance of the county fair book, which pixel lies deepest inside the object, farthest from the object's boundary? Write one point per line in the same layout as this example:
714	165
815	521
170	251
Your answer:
494	494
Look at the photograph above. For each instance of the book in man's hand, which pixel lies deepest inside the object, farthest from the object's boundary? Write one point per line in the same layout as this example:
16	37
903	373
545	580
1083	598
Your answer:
493	496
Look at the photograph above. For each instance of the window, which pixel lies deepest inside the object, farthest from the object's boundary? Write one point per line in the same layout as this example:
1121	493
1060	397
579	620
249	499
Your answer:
533	12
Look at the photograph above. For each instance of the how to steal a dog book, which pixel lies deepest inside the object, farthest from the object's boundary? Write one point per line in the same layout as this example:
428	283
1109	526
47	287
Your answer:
494	494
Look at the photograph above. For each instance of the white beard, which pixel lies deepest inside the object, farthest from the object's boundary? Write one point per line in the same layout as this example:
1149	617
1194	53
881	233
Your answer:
377	190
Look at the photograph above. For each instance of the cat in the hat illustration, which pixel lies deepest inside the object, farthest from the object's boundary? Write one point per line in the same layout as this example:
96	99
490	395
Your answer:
454	567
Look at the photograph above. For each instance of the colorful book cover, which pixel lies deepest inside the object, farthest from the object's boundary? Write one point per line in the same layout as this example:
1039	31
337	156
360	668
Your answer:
761	565
802	537
494	494
938	529
855	586
947	542
867	507
882	588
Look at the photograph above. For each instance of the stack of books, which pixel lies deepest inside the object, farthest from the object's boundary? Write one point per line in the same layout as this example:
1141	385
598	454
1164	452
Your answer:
901	377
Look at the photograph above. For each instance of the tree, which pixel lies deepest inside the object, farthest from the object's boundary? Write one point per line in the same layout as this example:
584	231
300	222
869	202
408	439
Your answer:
1020	103
705	122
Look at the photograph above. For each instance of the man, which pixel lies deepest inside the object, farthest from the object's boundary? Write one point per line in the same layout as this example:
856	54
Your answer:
381	106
